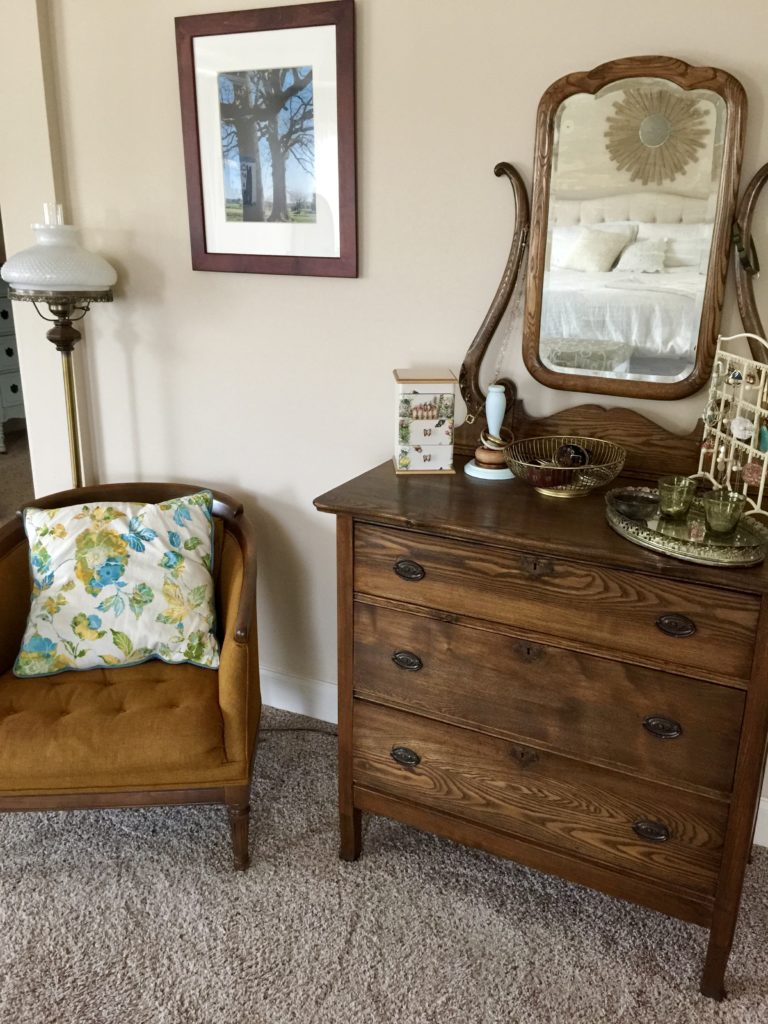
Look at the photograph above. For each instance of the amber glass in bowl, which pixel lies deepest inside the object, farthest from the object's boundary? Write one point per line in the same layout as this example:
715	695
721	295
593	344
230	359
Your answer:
535	459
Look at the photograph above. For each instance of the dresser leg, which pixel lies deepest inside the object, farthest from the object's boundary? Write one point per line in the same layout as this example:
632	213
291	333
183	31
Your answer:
351	834
718	951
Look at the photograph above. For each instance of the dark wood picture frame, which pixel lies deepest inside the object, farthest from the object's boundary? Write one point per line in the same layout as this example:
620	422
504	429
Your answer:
338	13
686	77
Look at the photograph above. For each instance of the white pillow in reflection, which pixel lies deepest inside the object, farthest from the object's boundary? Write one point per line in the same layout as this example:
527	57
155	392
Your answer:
596	250
644	257
564	239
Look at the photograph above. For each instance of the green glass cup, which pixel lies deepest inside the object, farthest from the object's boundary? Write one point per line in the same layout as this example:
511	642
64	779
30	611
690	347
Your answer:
723	510
675	495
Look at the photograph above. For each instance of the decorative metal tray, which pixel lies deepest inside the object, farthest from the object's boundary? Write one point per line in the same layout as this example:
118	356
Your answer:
634	513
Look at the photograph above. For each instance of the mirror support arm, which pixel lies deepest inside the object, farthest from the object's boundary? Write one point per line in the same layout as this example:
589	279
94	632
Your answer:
469	376
746	263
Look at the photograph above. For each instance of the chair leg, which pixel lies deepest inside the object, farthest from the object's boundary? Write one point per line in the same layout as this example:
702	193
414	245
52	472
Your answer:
239	811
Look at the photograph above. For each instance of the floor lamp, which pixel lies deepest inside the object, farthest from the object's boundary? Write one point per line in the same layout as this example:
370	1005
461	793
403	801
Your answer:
59	273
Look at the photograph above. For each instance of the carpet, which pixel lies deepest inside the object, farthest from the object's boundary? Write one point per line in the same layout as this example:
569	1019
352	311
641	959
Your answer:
16	487
135	916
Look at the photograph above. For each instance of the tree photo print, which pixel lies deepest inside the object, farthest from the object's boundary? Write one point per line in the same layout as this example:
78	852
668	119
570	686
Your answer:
268	145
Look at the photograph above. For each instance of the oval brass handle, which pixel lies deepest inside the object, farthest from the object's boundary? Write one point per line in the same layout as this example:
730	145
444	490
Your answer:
408	660
536	567
676	624
653	831
9	351
662	727
409	570
14	389
405	756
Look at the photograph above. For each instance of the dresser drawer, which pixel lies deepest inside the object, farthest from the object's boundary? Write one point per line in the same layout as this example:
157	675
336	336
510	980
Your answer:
6	315
659	725
10	390
585	606
9	357
652	830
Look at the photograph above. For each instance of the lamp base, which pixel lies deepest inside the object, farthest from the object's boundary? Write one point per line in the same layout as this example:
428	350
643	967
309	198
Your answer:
471	468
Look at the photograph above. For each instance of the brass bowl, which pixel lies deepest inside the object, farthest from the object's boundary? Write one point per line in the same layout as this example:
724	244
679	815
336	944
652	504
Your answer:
534	461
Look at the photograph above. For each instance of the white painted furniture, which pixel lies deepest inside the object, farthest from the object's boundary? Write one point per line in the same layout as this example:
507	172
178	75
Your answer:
11	398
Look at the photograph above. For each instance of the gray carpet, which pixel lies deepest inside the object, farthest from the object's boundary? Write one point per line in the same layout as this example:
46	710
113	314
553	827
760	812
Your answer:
135	917
16	487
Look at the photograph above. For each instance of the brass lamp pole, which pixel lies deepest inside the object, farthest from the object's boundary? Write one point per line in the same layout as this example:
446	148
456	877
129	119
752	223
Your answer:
65	309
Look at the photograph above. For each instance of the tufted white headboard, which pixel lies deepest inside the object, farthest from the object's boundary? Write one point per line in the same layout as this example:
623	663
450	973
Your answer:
643	207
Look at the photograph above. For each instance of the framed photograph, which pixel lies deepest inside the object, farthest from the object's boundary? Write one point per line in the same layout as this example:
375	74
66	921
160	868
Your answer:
268	119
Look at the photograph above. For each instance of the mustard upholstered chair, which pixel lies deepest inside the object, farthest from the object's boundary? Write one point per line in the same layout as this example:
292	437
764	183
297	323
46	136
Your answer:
148	734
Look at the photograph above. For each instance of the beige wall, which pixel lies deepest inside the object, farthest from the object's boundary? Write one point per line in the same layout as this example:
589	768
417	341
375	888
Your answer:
277	388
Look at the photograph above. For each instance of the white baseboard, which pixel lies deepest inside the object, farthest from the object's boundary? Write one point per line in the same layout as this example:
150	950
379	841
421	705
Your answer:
761	832
317	699
310	697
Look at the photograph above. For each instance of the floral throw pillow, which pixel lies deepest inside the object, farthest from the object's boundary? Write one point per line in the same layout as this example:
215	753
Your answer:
118	583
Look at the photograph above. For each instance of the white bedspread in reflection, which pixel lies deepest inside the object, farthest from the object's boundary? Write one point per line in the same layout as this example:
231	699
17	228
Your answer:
658	314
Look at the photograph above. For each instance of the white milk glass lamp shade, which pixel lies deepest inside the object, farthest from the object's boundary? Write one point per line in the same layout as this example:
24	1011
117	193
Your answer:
58	263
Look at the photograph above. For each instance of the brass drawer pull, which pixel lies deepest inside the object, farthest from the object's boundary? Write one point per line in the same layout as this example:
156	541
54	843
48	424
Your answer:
408	660
408	570
536	567
675	624
405	756
662	727
653	831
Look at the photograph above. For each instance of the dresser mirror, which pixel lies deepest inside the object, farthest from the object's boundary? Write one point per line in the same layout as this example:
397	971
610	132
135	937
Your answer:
635	184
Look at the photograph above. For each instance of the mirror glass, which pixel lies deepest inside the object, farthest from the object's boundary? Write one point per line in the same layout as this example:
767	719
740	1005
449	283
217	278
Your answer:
635	176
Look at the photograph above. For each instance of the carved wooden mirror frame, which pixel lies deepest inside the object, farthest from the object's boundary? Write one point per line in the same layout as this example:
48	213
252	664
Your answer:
651	448
746	262
686	77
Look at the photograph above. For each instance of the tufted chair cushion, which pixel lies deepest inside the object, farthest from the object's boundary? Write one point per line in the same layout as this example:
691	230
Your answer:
126	728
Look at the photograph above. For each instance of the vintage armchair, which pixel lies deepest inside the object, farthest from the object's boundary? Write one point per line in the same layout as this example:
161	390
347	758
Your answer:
142	735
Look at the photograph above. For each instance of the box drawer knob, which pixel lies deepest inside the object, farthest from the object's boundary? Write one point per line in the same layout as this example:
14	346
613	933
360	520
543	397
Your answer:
653	831
14	389
409	570
675	624
662	727
9	352
408	660
405	756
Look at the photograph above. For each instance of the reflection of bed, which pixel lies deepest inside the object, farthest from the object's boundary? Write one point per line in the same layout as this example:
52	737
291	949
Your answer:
657	314
601	319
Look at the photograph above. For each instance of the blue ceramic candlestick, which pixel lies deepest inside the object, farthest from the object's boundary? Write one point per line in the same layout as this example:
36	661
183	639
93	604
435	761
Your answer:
489	462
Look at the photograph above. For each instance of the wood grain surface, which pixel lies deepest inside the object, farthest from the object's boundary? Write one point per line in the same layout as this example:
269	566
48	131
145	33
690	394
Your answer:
592	608
591	708
622	881
555	801
513	515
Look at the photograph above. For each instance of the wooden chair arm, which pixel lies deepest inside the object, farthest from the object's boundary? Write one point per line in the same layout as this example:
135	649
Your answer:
15	590
243	531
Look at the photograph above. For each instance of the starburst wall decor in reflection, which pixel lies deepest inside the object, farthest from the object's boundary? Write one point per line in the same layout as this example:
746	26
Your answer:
654	135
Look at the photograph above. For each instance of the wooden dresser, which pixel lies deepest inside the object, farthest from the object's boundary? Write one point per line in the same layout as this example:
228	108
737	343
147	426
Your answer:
515	676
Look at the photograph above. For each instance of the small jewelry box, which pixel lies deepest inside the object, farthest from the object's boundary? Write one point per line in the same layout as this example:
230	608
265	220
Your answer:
425	402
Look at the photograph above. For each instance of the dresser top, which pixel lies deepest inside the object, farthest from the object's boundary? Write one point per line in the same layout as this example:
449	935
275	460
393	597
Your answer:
511	514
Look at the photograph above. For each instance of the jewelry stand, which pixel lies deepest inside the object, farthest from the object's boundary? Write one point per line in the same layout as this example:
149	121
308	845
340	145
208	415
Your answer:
734	450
